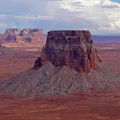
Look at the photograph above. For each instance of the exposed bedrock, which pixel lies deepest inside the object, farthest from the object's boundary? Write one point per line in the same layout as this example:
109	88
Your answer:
74	49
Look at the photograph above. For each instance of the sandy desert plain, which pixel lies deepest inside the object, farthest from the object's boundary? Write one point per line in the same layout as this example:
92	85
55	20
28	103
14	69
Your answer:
78	107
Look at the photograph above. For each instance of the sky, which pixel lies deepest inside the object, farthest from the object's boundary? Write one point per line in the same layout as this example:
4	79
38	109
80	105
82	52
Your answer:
98	16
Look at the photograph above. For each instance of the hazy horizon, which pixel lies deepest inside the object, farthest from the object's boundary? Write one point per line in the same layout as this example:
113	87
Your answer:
45	32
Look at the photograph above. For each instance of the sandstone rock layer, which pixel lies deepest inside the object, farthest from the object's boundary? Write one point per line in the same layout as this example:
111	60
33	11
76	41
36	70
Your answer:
24	35
74	49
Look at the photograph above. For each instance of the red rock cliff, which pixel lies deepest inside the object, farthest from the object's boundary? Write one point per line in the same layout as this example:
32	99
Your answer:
71	48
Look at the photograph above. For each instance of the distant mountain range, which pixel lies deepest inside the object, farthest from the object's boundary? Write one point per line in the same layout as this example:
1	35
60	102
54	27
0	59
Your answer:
101	38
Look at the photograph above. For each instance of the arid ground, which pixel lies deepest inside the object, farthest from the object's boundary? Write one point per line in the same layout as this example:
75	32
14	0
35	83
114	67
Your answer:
110	54
98	107
68	108
12	65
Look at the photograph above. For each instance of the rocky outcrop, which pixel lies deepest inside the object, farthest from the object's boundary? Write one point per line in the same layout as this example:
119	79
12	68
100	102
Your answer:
24	35
37	64
52	74
74	49
2	37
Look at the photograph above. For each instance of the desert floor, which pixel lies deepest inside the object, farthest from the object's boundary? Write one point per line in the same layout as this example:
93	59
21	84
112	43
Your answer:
79	107
12	65
101	107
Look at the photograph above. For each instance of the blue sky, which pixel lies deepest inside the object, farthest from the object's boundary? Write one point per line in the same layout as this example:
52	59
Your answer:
98	16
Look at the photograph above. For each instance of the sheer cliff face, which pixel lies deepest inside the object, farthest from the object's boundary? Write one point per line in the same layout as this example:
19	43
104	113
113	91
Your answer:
2	38
71	48
24	35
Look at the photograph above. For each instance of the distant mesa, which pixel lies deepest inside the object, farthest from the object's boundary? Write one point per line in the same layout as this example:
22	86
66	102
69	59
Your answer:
23	35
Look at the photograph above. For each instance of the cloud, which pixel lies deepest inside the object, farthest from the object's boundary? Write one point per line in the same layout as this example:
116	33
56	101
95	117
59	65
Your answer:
3	25
103	13
34	17
99	16
109	4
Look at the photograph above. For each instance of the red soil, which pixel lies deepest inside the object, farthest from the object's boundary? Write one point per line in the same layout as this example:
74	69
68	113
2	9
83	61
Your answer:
80	107
110	54
102	107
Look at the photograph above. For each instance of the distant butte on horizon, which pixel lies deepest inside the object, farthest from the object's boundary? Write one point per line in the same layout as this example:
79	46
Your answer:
23	35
